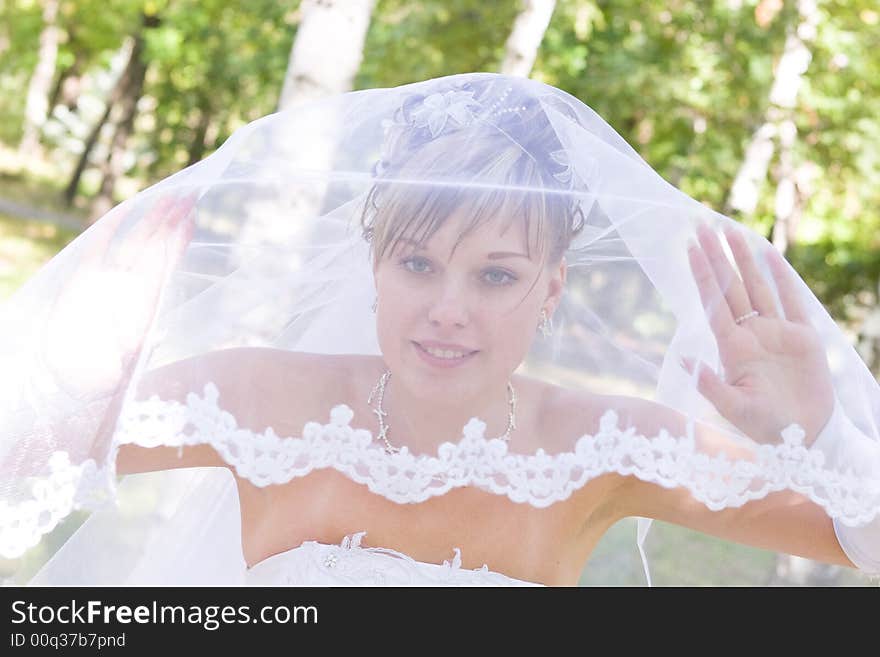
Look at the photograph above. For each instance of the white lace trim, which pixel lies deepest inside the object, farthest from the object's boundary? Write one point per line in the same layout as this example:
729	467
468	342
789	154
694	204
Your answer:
67	487
539	479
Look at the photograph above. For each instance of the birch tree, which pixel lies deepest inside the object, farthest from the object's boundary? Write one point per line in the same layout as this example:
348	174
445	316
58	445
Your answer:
130	53
525	39
130	91
37	104
324	59
327	51
778	127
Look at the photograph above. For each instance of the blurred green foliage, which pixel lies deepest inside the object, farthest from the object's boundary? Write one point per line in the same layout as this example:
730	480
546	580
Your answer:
24	247
686	82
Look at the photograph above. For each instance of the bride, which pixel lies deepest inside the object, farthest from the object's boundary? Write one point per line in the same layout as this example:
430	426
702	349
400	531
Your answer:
518	333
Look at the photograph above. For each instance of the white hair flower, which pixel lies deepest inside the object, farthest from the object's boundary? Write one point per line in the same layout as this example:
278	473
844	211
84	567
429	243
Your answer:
438	108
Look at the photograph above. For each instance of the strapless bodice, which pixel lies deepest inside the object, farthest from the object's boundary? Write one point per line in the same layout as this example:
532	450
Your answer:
349	564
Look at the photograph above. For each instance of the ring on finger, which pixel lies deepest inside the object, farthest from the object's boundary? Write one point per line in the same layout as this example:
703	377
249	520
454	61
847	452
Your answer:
748	315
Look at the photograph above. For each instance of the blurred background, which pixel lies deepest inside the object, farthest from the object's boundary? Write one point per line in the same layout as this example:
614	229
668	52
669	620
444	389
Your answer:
766	110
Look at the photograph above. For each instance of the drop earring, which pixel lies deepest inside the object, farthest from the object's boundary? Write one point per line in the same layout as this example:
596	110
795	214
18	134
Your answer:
546	325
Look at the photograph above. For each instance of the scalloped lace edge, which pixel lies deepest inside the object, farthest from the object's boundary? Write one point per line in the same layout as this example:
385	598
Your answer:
68	487
539	479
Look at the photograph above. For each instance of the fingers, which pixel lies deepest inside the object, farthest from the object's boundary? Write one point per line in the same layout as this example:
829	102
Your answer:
713	300
182	229
726	276
184	213
100	236
786	285
723	397
760	295
150	271
155	218
161	251
154	233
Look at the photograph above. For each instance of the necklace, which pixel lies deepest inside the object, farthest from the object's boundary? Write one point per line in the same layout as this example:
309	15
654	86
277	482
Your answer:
381	413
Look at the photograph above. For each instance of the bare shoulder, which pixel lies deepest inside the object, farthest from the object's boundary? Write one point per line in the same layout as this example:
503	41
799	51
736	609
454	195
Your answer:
567	414
586	408
322	376
635	496
580	411
285	367
259	386
572	413
291	386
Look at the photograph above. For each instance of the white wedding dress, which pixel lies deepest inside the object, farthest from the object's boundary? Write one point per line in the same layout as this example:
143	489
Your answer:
349	564
209	552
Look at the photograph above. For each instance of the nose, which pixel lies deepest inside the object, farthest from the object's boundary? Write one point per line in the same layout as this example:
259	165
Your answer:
449	308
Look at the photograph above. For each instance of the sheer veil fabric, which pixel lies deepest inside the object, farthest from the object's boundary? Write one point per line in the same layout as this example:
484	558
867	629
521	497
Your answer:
250	304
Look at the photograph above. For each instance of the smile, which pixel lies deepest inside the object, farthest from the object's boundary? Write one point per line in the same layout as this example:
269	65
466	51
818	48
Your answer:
443	357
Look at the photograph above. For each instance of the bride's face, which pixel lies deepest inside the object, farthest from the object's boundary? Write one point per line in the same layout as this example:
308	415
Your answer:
482	298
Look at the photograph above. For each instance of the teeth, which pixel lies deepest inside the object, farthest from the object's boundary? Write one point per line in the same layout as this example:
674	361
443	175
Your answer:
444	353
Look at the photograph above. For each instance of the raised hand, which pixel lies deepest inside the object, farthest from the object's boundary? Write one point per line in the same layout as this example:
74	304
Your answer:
775	369
98	324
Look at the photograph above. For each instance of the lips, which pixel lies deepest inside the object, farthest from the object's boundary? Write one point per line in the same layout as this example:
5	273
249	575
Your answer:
445	346
443	363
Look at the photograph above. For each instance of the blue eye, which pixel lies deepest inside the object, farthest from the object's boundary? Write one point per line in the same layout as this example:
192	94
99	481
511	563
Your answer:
408	261
507	279
495	277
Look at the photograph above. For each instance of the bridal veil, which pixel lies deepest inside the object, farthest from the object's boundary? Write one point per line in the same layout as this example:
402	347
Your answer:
274	249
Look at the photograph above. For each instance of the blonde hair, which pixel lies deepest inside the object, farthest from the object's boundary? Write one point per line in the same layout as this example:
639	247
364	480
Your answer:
501	180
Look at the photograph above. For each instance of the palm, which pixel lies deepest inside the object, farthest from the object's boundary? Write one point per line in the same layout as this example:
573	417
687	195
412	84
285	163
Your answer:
100	319
775	370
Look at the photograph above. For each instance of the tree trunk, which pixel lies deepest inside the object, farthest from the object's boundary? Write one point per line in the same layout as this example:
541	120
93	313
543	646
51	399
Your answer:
525	39
746	189
327	51
37	103
92	139
113	166
67	87
868	341
787	208
324	60
5	38
197	145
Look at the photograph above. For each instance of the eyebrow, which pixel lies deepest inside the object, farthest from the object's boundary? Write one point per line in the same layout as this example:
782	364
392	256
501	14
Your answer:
492	256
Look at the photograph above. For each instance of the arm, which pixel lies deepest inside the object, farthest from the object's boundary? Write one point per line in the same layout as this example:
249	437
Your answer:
783	521
845	447
774	371
173	382
280	377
